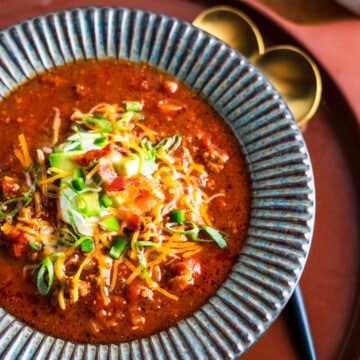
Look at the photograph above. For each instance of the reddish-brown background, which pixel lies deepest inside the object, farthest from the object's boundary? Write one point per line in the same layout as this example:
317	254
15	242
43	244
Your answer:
330	282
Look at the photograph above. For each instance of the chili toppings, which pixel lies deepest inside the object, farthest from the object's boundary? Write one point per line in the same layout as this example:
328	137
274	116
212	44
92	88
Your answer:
120	215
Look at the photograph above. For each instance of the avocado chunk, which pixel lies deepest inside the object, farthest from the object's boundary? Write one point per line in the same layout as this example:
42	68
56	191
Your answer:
128	165
64	160
89	203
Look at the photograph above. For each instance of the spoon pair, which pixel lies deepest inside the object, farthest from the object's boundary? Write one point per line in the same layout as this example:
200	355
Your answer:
296	77
292	72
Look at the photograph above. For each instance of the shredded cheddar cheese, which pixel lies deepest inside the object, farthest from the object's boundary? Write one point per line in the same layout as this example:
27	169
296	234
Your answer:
115	198
25	151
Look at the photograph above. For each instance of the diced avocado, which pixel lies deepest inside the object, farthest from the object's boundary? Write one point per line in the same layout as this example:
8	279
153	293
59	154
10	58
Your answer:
109	223
117	201
128	165
64	160
89	203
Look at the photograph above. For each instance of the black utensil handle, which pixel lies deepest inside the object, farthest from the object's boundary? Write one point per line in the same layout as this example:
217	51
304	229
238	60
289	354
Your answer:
299	319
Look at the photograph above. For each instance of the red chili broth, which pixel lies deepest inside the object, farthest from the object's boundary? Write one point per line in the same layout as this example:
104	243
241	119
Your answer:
30	110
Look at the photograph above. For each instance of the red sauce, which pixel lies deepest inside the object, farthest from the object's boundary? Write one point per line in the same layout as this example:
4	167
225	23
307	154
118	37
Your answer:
133	311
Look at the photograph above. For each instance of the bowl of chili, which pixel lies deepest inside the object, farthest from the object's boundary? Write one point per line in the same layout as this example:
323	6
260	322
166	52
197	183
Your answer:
99	172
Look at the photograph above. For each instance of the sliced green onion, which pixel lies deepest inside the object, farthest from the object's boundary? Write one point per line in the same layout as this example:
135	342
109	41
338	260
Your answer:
105	200
141	259
140	255
118	246
78	181
78	173
45	273
148	154
25	200
148	149
168	145
87	244
190	229
33	168
96	177
78	184
34	245
119	126
177	216
102	124
72	220
216	235
145	243
128	120
66	237
110	223
134	116
133	106
101	141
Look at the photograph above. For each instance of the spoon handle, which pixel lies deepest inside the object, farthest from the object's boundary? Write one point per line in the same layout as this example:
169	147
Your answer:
297	312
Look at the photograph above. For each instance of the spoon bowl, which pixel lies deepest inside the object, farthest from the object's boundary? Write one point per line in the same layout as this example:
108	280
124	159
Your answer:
292	72
295	76
233	27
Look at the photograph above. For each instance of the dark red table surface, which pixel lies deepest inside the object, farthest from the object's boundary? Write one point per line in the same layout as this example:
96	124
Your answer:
330	282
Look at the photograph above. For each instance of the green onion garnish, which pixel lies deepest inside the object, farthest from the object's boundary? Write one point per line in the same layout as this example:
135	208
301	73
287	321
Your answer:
23	200
34	245
177	216
216	235
133	106
66	237
192	230
101	141
78	181
118	246
101	123
105	200
45	273
140	255
168	145
87	244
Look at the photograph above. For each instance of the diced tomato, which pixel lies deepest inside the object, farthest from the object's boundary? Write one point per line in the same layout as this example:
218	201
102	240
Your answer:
134	222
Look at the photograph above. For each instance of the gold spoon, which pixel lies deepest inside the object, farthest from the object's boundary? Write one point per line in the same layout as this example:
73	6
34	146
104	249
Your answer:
297	78
292	72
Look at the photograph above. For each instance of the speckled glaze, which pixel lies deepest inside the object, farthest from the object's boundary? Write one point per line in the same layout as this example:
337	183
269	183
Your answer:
282	213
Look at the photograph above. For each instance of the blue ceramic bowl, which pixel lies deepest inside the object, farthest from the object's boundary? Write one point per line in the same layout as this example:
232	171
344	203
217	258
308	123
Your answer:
282	212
